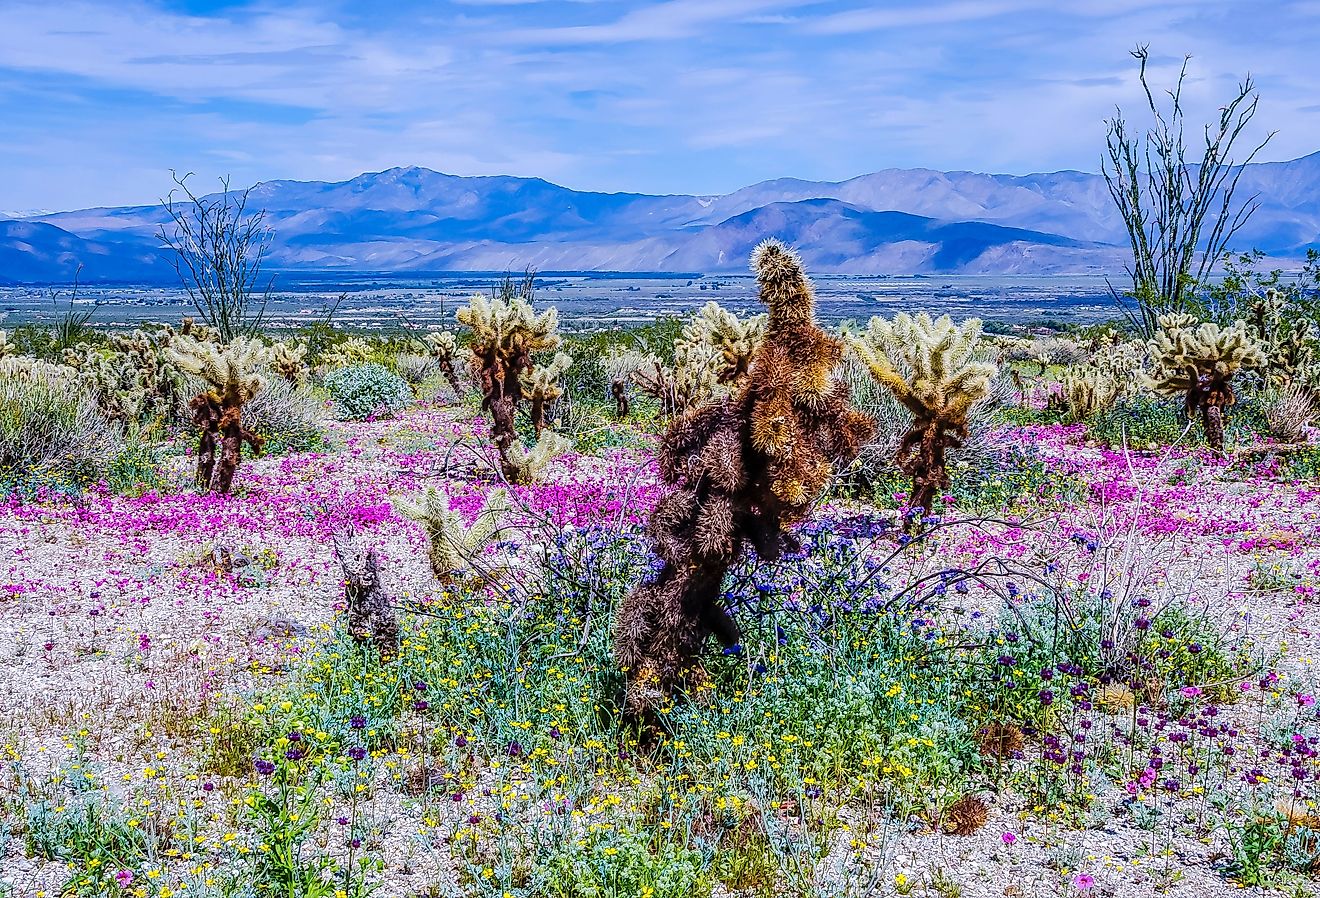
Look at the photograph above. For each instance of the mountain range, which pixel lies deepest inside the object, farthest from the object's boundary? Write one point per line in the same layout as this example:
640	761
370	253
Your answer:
896	221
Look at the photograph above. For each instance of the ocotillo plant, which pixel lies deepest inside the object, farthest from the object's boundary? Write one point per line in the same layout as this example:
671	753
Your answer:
1197	362
929	367
233	376
506	333
740	471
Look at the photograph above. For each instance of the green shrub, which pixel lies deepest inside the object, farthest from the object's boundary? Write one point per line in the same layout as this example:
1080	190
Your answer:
51	432
1150	422
619	864
288	416
1143	421
366	391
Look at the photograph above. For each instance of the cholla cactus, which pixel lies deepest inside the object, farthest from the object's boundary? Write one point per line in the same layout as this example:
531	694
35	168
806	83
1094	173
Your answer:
543	387
620	367
455	544
1198	361
506	332
528	464
352	351
732	339
233	374
7	347
1284	340
740	471
288	360
1088	390
444	346
930	368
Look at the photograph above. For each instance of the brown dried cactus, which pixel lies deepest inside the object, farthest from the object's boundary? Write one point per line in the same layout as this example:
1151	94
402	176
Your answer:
965	816
740	470
371	617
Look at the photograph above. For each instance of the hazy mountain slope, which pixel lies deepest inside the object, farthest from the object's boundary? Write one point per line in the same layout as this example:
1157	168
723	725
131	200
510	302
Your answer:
33	251
894	221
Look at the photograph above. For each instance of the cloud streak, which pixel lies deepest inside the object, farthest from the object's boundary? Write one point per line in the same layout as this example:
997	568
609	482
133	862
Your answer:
102	97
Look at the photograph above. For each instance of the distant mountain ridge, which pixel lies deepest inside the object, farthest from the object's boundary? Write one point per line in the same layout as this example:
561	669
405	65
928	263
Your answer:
896	221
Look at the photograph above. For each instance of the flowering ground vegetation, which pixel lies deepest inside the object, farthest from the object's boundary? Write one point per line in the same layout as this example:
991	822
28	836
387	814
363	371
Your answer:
1080	662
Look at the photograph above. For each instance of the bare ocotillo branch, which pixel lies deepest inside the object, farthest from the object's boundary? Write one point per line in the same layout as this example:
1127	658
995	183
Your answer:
1179	215
218	250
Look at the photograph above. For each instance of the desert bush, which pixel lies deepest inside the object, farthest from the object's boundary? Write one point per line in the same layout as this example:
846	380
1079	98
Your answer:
1140	421
287	416
1289	411
364	391
51	430
414	368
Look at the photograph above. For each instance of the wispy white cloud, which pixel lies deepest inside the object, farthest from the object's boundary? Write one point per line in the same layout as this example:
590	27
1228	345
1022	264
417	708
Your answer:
101	97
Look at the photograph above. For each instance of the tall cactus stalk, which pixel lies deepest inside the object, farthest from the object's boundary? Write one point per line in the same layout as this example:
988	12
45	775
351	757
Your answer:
506	334
444	346
740	470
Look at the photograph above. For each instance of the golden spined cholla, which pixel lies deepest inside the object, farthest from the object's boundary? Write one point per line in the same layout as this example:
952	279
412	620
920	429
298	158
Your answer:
931	368
233	374
1198	362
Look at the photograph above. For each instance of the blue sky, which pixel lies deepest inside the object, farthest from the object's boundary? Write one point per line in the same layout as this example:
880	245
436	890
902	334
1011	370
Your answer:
99	100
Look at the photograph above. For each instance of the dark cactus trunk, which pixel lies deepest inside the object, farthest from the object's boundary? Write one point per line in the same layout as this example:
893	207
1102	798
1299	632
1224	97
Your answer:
621	407
1212	422
740	471
221	426
447	368
206	415
232	437
922	456
537	414
501	387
